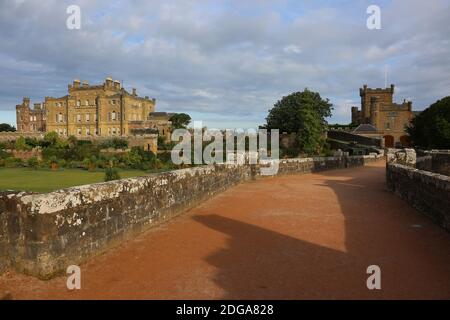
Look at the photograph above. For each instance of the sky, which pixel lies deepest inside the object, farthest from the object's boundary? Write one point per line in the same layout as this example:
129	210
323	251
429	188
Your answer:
226	62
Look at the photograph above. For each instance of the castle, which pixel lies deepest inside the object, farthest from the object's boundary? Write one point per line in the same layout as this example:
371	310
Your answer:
381	117
94	111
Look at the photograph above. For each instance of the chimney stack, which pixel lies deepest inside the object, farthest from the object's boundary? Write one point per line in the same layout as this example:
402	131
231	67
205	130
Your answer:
134	92
108	82
26	102
76	83
116	84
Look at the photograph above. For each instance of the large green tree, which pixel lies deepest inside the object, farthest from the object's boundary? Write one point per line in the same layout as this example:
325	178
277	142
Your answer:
302	113
431	128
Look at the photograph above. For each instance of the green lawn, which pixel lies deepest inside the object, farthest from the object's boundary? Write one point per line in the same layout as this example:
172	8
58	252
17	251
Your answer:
45	180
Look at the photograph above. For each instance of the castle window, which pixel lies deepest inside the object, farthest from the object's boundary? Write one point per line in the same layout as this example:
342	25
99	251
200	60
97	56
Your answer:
31	118
113	115
88	132
95	117
79	117
388	125
79	131
87	102
78	103
87	117
60	117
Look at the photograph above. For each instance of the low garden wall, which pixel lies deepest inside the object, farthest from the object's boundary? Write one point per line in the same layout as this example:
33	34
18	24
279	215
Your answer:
42	234
428	192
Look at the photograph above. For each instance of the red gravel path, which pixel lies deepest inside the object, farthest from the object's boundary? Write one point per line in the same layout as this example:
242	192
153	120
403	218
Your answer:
289	237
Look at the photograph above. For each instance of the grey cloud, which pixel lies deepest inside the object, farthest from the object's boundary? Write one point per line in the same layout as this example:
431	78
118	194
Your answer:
193	56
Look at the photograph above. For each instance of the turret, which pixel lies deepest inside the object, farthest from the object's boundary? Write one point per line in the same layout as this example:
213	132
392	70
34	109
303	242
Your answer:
76	83
374	108
108	82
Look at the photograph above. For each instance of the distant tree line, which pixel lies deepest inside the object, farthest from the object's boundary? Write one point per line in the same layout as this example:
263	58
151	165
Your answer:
6	127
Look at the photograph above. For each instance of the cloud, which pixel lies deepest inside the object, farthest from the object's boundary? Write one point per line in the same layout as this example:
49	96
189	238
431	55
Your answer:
292	48
226	57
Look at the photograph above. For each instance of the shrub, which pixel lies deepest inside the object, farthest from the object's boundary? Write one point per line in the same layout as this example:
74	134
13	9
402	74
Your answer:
111	173
21	144
33	162
4	154
13	162
100	164
115	143
51	139
62	163
73	164
53	162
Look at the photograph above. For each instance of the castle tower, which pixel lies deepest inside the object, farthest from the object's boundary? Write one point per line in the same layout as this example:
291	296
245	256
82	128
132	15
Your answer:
23	115
385	96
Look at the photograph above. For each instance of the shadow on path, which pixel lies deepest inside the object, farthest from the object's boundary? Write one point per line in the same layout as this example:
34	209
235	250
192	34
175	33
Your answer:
258	263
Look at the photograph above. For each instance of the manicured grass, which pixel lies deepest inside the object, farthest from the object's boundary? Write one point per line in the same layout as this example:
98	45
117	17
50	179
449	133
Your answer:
45	180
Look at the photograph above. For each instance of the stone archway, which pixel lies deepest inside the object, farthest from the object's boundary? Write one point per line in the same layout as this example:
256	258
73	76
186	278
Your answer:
405	141
388	141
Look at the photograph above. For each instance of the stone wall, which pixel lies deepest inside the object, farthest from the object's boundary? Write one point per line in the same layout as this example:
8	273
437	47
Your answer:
44	233
440	161
13	136
426	191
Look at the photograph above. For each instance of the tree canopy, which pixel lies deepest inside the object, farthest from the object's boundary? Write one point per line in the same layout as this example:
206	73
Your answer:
6	127
302	113
431	128
180	120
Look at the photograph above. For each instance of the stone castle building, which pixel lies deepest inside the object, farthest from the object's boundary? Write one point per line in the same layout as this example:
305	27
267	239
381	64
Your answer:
94	111
381	117
30	119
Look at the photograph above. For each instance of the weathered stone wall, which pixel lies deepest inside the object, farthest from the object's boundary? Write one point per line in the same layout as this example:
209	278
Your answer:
440	161
4	241
402	156
44	233
426	191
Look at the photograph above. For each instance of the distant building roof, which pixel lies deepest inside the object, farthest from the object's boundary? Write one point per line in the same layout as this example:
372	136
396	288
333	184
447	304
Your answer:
365	128
161	114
